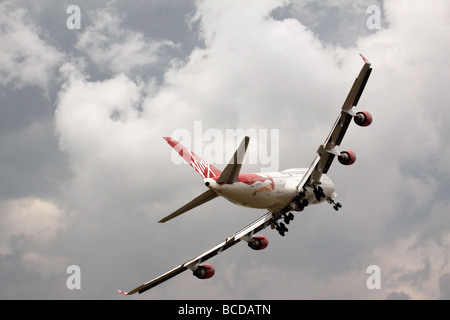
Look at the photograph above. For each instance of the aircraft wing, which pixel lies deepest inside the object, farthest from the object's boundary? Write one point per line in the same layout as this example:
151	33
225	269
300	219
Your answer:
243	234
326	152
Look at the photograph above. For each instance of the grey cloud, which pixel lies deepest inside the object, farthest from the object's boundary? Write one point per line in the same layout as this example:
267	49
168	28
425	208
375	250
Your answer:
25	58
444	286
111	46
398	296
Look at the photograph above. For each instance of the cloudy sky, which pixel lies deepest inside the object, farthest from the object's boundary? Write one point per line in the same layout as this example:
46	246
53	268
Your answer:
85	173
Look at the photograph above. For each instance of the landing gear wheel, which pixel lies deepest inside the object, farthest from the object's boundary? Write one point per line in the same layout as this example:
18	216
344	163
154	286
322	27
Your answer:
299	205
318	192
281	228
288	218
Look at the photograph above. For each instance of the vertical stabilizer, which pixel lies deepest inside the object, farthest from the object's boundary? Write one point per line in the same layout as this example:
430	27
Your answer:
231	172
202	167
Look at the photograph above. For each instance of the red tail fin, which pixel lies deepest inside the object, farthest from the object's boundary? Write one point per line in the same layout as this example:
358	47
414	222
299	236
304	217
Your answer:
203	168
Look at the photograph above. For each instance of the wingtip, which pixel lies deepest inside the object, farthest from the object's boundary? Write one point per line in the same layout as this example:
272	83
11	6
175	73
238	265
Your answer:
364	59
122	292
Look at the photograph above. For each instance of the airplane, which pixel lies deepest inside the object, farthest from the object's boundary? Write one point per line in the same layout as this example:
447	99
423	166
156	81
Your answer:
281	193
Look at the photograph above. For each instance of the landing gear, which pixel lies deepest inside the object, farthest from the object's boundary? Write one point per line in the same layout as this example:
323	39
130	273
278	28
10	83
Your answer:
288	217
297	204
318	192
281	228
336	205
300	204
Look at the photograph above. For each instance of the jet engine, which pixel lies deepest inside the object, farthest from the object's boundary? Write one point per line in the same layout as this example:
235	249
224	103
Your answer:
347	157
363	118
258	242
204	271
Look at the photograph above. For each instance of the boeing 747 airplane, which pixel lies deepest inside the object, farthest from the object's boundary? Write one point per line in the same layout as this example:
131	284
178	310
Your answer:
280	193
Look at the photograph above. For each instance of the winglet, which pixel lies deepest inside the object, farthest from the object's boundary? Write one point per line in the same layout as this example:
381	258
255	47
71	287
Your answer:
364	58
122	292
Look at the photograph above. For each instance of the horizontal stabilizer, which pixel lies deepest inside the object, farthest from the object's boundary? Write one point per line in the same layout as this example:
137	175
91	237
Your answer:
201	199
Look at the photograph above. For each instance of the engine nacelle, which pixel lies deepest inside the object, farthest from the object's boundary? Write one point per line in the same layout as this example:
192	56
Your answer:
204	271
258	242
347	157
363	118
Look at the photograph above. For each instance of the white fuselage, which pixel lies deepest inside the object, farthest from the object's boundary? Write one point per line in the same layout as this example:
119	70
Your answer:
272	191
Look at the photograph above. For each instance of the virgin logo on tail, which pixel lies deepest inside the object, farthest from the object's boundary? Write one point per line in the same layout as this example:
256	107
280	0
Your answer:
205	169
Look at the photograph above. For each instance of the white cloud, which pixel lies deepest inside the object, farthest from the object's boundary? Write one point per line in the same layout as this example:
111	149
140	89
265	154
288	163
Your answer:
113	141
251	64
29	227
111	46
35	219
25	58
